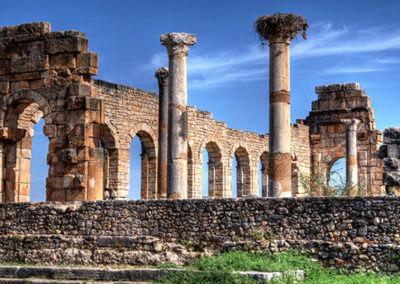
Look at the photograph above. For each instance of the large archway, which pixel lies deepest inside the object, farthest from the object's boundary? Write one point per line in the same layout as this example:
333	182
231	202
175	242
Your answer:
148	166
20	117
212	185
242	172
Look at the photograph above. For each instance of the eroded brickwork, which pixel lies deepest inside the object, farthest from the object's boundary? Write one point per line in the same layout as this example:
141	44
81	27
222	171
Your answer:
328	132
48	74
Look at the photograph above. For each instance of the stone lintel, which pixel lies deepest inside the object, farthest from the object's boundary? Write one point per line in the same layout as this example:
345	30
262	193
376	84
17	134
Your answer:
280	27
178	42
337	87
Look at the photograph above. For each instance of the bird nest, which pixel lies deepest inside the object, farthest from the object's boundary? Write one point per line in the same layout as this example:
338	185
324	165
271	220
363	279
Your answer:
285	26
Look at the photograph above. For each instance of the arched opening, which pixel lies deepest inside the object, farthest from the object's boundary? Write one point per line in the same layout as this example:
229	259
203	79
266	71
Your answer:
242	172
234	176
263	175
336	177
211	171
143	167
20	119
39	166
110	160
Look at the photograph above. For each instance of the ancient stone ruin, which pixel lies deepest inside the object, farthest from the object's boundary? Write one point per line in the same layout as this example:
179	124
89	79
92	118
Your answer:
90	124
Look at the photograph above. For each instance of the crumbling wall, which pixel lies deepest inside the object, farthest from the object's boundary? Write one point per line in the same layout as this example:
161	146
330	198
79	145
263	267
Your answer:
328	134
390	153
48	74
130	112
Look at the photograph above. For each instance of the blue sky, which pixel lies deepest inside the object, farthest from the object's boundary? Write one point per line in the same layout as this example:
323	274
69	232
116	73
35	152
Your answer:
348	41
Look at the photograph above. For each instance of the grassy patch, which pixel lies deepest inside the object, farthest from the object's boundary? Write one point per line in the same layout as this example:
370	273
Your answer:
220	269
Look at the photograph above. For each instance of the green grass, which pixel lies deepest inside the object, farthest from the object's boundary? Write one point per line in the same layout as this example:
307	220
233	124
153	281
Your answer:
220	270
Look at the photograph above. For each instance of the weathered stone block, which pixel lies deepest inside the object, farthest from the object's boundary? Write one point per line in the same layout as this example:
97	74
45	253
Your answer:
393	151
89	59
31	28
66	44
62	61
391	135
29	64
4	86
79	90
4	66
36	48
69	156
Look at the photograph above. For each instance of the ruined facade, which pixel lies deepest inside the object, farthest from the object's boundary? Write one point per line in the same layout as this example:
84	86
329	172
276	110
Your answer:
90	124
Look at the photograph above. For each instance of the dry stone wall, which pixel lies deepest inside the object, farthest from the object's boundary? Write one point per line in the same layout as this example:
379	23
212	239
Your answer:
345	231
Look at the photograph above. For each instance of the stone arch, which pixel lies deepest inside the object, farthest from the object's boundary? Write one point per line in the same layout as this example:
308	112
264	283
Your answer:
148	187
24	95
243	171
110	144
215	168
20	112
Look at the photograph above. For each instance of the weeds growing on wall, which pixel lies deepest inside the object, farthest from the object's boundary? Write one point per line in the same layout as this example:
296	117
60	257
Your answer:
326	182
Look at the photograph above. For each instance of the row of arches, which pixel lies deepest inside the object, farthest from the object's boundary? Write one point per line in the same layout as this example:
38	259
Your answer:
25	160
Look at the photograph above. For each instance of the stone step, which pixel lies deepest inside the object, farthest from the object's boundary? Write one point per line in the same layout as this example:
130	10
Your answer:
45	274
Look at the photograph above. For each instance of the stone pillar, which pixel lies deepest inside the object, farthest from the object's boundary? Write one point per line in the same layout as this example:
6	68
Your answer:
162	77
211	179
177	45
279	30
264	182
351	155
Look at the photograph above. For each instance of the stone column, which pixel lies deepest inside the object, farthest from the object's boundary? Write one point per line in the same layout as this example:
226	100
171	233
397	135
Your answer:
264	182
162	77
351	155
177	45
279	30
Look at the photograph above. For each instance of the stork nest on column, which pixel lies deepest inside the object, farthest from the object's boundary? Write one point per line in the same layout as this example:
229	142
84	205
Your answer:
280	27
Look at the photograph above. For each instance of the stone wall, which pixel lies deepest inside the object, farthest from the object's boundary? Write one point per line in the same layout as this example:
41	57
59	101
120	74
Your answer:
390	153
328	134
223	143
349	231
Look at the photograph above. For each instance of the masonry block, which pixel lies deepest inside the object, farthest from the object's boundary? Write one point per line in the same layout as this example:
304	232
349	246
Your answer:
29	64
67	44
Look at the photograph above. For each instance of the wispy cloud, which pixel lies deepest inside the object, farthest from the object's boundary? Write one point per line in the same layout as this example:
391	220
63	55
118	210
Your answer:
351	69
324	40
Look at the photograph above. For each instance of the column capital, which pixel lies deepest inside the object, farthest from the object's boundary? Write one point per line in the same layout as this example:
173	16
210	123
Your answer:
162	75
178	42
350	123
280	27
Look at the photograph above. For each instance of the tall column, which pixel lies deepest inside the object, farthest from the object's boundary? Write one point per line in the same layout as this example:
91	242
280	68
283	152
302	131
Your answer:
279	30
351	155
162	77
177	45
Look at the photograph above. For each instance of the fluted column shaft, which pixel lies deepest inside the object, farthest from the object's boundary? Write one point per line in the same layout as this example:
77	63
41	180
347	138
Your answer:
178	47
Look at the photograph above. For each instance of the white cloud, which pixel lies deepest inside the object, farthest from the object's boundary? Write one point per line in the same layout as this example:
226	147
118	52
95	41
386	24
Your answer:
250	64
